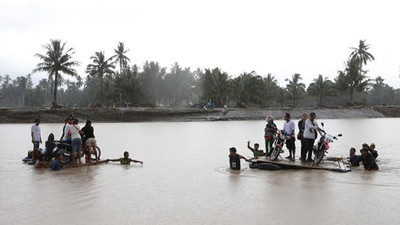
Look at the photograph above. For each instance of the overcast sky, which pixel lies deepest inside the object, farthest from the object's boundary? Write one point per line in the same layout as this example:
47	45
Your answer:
309	37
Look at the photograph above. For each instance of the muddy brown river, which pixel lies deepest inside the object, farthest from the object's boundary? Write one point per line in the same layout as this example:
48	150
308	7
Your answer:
185	178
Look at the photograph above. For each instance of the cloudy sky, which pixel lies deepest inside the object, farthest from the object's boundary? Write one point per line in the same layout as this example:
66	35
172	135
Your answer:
309	37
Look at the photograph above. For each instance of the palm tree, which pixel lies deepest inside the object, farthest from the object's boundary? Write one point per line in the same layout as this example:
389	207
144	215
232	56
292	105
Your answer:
23	84
100	67
56	59
356	78
282	95
152	82
352	79
361	53
295	88
321	87
246	89
120	56
215	85
270	88
179	85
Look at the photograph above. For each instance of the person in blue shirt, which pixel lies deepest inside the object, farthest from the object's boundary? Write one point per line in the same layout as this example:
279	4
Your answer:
56	165
353	157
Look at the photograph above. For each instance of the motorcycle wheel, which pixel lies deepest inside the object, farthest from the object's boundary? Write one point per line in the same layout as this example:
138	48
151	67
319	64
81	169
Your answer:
275	153
66	158
319	155
92	156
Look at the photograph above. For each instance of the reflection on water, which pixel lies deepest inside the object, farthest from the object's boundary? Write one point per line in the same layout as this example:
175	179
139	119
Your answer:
185	179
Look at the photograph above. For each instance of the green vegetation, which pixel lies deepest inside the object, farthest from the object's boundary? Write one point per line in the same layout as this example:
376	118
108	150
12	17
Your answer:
54	61
154	85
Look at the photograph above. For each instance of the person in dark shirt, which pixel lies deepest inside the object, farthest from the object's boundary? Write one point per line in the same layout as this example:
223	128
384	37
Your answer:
301	124
373	151
89	140
353	157
63	133
234	159
367	159
56	163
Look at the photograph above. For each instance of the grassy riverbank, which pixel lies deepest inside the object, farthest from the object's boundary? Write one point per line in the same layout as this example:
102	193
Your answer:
141	114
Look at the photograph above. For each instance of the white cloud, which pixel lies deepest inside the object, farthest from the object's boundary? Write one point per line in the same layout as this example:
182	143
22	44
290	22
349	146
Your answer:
280	37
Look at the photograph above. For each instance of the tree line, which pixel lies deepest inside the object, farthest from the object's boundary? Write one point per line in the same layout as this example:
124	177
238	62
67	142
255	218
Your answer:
113	80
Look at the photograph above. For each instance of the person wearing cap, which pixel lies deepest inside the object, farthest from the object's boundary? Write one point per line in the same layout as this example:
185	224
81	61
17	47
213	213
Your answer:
310	134
269	135
367	159
373	151
36	139
289	127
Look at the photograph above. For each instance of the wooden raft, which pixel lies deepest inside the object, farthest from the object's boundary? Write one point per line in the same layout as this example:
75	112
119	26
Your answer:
336	164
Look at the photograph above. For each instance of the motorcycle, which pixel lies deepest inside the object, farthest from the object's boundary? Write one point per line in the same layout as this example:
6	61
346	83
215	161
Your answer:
321	148
65	149
278	144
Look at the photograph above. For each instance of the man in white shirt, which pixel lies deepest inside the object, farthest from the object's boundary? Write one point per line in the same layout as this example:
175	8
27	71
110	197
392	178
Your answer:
36	139
310	134
289	127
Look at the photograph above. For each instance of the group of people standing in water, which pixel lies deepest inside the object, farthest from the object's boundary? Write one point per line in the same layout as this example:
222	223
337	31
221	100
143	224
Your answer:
308	132
73	136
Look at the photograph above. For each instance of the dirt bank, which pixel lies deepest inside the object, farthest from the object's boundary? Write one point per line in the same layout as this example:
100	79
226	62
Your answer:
141	114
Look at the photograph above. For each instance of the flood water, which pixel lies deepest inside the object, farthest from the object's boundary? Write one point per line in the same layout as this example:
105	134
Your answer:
185	180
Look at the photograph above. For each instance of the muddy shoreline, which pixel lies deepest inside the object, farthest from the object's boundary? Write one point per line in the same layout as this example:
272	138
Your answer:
155	114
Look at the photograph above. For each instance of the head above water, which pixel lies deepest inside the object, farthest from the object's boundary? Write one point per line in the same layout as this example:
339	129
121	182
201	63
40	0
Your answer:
372	145
304	116
58	157
126	154
256	146
270	118
76	121
88	123
232	151
37	121
365	146
364	152
352	151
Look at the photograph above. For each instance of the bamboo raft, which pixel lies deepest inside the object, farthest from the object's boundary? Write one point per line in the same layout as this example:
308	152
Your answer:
336	164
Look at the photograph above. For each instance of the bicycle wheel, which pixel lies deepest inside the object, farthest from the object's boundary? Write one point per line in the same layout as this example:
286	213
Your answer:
275	153
92	155
98	152
319	156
